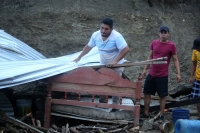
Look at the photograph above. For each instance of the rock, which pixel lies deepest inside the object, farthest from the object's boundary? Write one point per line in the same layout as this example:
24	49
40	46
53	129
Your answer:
184	89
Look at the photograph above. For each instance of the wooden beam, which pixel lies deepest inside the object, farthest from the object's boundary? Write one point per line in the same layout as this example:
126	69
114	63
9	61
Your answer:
175	104
157	98
161	60
98	105
92	119
131	64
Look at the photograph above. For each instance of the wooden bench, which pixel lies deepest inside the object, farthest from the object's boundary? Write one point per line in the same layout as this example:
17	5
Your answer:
86	80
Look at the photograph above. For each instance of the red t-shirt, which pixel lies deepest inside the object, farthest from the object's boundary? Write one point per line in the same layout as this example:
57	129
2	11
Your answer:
161	50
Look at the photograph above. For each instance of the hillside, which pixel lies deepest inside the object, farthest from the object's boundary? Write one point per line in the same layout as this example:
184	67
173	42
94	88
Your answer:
61	27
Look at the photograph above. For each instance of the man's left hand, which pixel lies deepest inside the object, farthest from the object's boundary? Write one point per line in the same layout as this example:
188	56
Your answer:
111	64
178	77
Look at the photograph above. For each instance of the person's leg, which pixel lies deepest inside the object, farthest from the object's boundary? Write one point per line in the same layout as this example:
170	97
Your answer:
162	105
149	89
102	99
119	71
115	99
147	101
198	109
162	90
195	93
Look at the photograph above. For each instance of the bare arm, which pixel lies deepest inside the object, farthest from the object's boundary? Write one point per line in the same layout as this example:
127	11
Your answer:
176	64
194	64
146	66
121	55
85	50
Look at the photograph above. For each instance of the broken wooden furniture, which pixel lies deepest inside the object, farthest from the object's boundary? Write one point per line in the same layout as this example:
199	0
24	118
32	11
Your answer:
86	80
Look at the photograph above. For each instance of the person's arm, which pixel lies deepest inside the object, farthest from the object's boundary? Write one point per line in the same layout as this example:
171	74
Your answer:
122	54
85	50
176	64
194	64
146	66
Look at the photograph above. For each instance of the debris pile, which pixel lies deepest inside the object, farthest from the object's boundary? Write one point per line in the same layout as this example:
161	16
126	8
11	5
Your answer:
12	125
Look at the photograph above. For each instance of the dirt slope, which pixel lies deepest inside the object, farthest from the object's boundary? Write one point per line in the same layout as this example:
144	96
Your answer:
60	27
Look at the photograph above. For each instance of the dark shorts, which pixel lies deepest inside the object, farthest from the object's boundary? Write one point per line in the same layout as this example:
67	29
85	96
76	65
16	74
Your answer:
156	84
195	93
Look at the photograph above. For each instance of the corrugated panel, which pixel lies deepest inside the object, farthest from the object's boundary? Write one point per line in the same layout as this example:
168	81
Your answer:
16	46
21	64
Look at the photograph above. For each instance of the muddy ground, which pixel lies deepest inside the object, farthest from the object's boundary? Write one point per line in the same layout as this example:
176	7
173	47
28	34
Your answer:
61	27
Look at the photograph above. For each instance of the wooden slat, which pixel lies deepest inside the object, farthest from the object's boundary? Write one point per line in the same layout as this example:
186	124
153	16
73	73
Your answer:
98	105
94	89
86	75
175	104
132	64
162	60
92	119
157	98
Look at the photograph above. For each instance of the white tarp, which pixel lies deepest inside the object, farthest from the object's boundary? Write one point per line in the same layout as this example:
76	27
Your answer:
22	64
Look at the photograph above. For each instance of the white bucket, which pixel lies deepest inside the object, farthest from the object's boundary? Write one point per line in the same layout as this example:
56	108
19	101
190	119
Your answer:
23	107
167	127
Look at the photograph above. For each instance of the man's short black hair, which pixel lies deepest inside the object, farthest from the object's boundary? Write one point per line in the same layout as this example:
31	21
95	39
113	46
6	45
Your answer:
108	21
196	43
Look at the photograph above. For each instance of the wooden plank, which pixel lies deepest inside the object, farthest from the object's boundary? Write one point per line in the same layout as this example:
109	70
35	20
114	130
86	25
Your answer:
161	60
87	75
94	89
47	116
131	64
92	119
98	105
158	98
175	104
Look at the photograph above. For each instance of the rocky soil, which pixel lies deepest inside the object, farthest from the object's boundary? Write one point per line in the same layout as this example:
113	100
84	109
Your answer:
60	27
57	28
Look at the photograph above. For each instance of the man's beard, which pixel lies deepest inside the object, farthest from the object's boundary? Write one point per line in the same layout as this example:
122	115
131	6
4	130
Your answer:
107	35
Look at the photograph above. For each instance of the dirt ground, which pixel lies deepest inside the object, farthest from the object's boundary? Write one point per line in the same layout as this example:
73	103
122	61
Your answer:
61	27
57	28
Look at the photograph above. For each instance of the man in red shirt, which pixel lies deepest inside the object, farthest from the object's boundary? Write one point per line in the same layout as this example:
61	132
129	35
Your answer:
157	79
